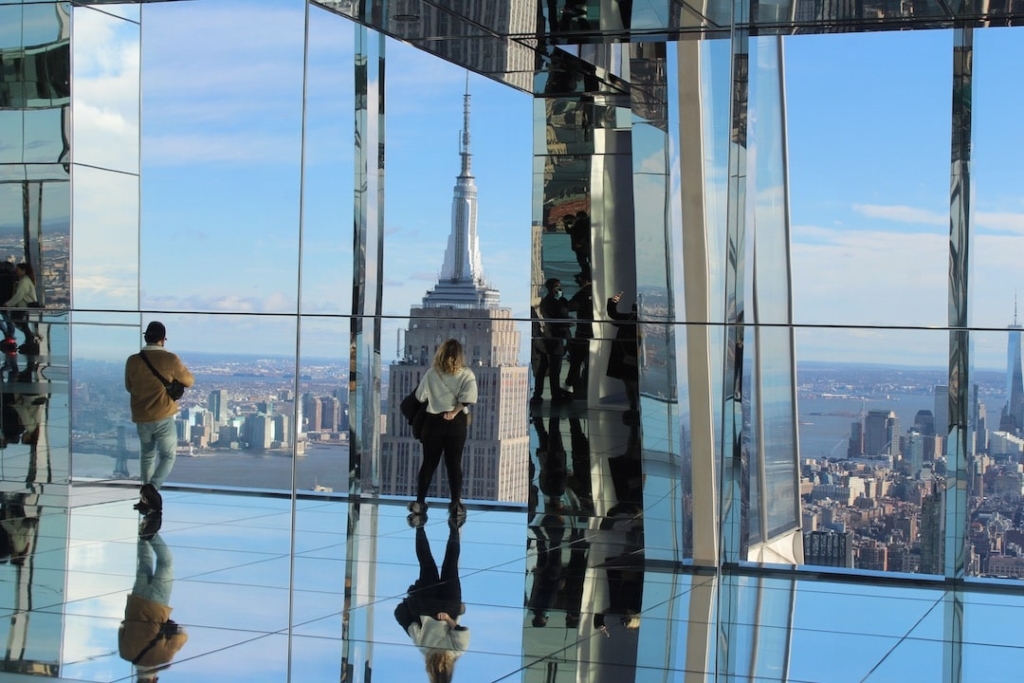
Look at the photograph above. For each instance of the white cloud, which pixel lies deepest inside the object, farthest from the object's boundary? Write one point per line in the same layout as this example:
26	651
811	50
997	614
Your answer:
273	302
869	277
106	91
1000	221
902	214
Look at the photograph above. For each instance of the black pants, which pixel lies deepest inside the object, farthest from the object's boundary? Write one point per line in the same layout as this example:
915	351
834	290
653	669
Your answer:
434	591
445	438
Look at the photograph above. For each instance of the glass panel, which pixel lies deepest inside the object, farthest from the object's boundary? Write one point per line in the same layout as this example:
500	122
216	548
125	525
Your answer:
106	240
772	294
248	380
327	194
119	8
875	198
103	438
317	429
106	97
872	456
221	156
996	217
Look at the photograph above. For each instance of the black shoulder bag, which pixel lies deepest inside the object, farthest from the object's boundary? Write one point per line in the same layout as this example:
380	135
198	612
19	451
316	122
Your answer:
175	389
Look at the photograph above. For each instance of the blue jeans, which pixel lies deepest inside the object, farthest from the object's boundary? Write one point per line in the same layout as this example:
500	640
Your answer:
159	442
154	581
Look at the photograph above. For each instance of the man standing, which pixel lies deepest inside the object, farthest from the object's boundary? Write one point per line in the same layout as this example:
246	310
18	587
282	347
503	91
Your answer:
554	308
153	412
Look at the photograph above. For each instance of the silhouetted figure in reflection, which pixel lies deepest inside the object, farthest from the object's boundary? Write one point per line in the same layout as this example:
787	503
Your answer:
624	361
579	236
625	591
547	573
8	283
24	297
19	526
580	482
574	16
148	637
153	412
9	371
554	308
431	611
627	478
538	355
582	304
551	458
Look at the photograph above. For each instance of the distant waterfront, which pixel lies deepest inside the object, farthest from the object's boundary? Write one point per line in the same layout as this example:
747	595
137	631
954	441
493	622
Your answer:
322	465
825	422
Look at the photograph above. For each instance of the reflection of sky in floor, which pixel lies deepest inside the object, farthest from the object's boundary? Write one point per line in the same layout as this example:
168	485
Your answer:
259	604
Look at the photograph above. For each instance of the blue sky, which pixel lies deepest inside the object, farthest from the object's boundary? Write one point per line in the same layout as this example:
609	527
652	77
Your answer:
869	123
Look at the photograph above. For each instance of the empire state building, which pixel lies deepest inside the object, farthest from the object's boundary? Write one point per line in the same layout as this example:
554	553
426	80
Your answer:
463	306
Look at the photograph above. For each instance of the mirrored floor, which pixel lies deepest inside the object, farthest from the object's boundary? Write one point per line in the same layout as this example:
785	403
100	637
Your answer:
338	591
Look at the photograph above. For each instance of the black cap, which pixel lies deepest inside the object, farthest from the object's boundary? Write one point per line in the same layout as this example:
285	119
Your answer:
155	332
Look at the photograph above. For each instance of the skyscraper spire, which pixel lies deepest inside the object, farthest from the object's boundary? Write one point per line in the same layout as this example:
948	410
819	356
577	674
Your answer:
461	282
464	149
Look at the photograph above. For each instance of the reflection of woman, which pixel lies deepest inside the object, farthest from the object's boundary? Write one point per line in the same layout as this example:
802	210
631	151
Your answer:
148	638
431	611
24	297
448	387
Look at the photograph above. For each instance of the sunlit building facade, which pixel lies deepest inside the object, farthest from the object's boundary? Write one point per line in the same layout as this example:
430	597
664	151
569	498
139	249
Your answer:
652	494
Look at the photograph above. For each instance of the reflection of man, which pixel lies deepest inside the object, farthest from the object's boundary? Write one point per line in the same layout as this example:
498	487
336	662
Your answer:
581	303
148	637
153	412
554	308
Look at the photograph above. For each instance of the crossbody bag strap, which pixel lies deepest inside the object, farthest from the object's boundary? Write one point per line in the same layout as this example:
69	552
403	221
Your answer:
160	377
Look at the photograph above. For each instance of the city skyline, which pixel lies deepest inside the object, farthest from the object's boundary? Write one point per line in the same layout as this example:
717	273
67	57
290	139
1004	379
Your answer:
839	219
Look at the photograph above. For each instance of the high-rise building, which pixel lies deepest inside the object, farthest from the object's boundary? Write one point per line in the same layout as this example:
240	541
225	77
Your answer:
1012	417
881	433
312	413
463	306
941	415
217	404
330	413
933	519
914	453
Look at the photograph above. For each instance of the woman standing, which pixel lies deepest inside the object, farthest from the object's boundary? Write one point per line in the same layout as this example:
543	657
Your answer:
24	297
448	388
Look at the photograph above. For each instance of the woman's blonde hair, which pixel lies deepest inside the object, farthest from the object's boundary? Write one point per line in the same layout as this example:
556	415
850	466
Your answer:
440	666
449	358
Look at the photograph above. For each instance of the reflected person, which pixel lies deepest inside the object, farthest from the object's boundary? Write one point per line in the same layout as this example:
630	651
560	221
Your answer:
554	308
579	240
431	610
8	283
19	526
153	412
24	297
148	637
582	304
623	362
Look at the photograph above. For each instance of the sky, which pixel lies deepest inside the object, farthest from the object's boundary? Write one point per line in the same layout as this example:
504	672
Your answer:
222	139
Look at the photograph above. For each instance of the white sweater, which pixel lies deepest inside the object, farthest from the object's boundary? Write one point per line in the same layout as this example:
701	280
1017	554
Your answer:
443	392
